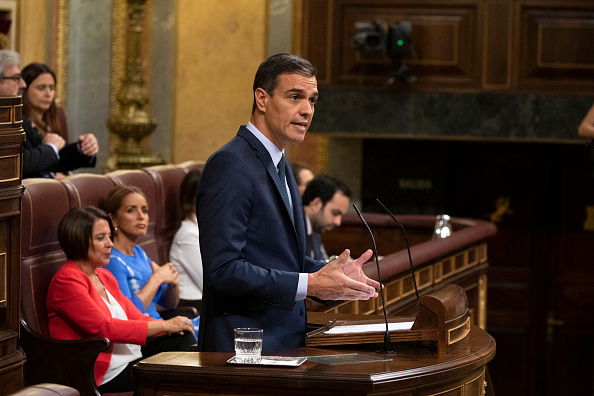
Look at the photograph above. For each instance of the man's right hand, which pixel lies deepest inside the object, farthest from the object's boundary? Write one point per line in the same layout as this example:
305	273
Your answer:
343	279
54	139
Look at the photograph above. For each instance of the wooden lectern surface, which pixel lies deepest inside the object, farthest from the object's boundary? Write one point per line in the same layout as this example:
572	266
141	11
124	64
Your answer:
415	370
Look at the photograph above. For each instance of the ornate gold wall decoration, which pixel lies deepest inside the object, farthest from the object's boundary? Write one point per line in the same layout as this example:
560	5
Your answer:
502	207
61	50
589	222
129	120
4	41
9	24
118	53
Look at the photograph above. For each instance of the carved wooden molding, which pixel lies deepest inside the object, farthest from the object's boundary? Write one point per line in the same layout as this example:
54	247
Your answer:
431	276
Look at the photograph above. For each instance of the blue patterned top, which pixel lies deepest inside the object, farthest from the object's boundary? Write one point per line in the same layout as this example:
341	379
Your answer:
132	273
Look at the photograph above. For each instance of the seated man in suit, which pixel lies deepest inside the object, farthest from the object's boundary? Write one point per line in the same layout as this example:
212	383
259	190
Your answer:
252	225
325	200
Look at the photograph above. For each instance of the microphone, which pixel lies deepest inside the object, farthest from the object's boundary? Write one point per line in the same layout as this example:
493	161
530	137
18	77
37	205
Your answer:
387	347
412	269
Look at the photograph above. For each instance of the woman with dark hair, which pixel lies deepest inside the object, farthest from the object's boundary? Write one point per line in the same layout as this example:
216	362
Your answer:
150	287
46	152
84	301
185	247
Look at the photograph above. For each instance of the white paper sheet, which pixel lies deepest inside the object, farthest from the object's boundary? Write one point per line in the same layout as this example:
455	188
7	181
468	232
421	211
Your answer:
369	328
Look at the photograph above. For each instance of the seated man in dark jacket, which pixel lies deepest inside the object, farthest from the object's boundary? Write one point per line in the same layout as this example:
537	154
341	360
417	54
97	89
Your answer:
325	200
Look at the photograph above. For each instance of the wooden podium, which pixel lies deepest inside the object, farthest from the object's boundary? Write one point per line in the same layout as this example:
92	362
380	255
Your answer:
415	370
443	318
455	367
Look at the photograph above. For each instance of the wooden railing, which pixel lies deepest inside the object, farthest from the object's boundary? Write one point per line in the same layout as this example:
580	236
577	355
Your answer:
458	259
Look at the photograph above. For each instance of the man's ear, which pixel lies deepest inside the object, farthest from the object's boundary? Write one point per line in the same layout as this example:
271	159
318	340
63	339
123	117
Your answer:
316	204
261	97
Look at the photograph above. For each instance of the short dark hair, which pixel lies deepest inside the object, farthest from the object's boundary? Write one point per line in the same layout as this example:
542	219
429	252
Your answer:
187	193
75	231
324	186
270	70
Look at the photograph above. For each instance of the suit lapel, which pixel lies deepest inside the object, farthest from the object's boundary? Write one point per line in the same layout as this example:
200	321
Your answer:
264	157
298	213
298	218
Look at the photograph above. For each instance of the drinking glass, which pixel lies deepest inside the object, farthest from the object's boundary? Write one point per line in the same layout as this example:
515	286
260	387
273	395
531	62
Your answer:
248	345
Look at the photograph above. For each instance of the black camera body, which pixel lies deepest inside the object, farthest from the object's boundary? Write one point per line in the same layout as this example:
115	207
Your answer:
394	41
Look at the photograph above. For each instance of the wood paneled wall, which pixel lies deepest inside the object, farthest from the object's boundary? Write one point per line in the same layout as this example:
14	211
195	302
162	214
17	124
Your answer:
459	45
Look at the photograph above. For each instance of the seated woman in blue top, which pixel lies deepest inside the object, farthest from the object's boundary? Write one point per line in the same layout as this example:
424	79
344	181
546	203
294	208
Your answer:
148	285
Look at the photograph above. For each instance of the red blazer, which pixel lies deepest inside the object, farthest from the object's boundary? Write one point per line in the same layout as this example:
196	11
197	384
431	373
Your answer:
76	310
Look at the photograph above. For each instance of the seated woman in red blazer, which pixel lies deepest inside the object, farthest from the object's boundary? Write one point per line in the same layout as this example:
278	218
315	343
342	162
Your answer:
85	301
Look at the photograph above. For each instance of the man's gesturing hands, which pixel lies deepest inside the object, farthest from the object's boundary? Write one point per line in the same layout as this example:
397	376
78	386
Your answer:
342	279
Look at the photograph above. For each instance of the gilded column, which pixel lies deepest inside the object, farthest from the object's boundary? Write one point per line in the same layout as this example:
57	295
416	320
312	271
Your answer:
132	122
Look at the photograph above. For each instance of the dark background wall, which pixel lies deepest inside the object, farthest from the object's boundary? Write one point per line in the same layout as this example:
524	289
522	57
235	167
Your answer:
488	130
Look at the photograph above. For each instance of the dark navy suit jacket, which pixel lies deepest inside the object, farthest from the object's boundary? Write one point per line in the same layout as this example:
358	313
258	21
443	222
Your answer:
252	251
40	159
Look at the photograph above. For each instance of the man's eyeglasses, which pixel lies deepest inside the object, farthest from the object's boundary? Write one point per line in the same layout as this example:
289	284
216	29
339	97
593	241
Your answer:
16	78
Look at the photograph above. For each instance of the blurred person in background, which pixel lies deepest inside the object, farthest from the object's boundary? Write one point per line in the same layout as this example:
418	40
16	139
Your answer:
325	200
47	153
185	247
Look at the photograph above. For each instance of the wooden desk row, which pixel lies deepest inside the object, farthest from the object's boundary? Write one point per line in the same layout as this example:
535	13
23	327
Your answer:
445	366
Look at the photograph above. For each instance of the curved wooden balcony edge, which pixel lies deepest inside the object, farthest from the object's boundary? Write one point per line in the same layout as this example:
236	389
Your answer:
466	232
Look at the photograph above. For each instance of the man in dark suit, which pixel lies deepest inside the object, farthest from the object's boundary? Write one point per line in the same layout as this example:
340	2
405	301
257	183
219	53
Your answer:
325	200
252	226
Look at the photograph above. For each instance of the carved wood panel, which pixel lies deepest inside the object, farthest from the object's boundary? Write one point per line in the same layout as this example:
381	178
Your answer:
458	45
317	41
556	47
497	45
444	46
12	136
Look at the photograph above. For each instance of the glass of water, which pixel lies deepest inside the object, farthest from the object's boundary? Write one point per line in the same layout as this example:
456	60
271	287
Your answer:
248	345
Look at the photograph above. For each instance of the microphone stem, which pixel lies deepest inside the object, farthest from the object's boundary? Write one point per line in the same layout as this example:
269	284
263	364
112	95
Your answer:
387	347
379	276
412	269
